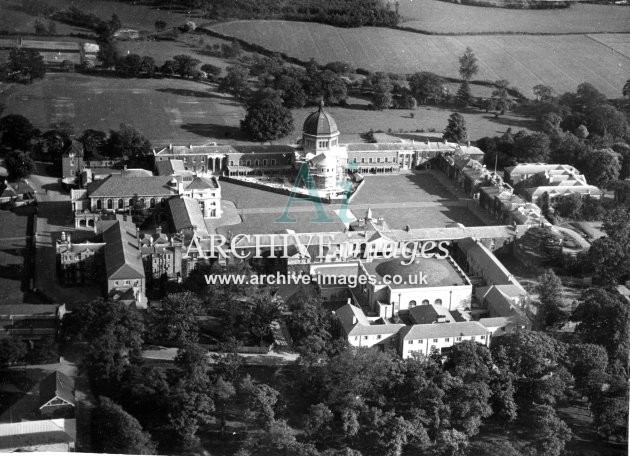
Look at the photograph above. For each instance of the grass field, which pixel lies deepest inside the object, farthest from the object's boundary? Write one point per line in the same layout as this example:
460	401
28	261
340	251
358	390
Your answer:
165	110
561	62
401	188
178	112
352	122
442	17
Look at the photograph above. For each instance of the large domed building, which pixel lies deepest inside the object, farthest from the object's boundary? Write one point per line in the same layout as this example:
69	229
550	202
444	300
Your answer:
324	156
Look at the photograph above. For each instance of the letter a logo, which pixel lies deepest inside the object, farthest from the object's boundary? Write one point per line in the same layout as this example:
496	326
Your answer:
305	175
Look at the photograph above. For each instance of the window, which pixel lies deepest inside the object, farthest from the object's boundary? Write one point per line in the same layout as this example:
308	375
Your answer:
425	302
257	162
412	303
365	337
248	162
420	341
356	337
110	204
231	162
411	342
362	159
438	302
378	159
99	204
378	336
121	204
370	160
483	337
459	339
447	340
152	202
264	162
273	162
435	341
472	337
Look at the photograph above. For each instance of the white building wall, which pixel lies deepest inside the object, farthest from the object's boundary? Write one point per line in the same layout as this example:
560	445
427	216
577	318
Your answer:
425	346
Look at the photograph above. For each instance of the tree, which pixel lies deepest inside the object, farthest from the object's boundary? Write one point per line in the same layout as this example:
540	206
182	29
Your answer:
549	290
531	147
293	94
160	25
603	320
332	88
52	28
12	351
175	321
93	143
607	120
25	64
543	93
569	206
235	81
107	55
267	120
463	96
116	431
382	91
17	132
168	68
40	28
147	66
468	65
19	164
427	88
500	94
584	359
310	327
610	260
550	433
602	167
455	131
185	65
130	65
211	70
261	400
610	415
127	141
188	410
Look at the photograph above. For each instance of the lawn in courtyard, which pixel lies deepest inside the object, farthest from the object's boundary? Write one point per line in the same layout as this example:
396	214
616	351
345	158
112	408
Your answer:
397	188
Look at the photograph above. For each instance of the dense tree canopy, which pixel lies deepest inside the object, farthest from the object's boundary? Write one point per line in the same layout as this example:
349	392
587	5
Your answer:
19	164
267	120
25	65
456	131
116	431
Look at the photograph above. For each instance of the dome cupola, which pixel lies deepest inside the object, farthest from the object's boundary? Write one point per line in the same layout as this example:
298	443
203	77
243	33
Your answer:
319	132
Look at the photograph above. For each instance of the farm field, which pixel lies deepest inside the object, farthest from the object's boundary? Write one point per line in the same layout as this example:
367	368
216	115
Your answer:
437	16
561	62
165	110
161	51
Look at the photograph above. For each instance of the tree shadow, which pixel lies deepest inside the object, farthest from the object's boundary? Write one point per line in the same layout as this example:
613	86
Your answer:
530	124
214	131
190	93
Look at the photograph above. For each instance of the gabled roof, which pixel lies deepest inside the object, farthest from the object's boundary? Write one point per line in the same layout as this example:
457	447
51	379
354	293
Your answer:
15	310
56	385
187	214
202	183
355	323
122	252
440	330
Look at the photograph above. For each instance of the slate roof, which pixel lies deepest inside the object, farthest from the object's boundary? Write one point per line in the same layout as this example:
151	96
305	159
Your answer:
440	330
491	266
202	183
121	186
15	310
58	385
320	123
427	314
122	252
362	327
187	214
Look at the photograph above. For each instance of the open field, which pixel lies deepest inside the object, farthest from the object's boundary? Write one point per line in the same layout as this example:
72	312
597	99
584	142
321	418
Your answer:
354	121
178	112
165	110
437	16
561	62
161	51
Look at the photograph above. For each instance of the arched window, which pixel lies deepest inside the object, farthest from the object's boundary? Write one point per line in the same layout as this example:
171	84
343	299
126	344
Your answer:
110	204
121	204
425	302
131	202
412	303
438	302
90	222
82	222
141	202
99	204
163	202
152	202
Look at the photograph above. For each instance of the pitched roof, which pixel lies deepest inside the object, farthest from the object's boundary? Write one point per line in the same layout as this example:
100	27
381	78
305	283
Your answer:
7	310
202	183
122	252
427	314
58	385
355	323
187	214
123	186
440	330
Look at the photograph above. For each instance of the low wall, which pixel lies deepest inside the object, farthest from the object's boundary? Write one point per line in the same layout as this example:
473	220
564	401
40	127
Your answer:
243	349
